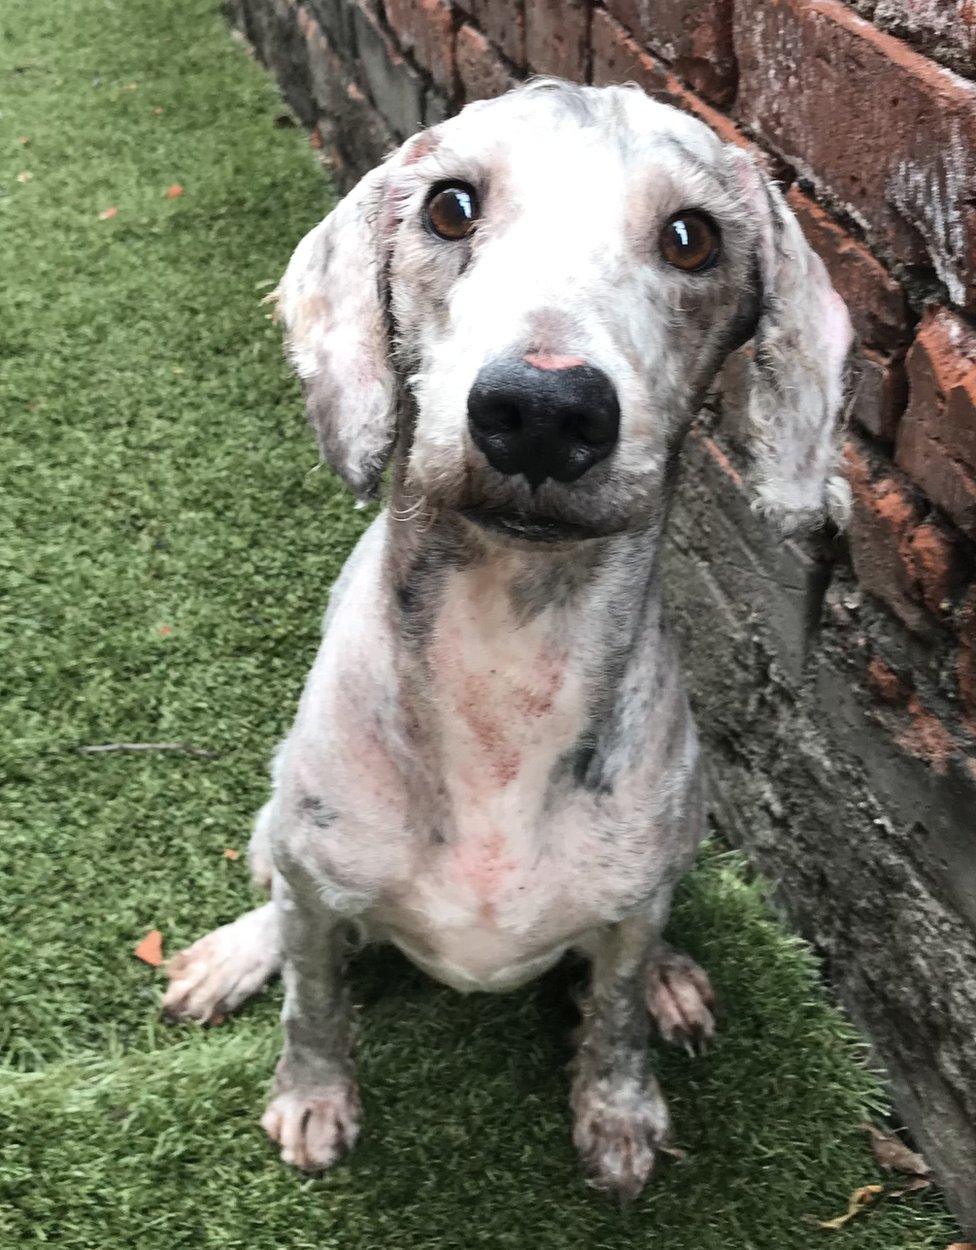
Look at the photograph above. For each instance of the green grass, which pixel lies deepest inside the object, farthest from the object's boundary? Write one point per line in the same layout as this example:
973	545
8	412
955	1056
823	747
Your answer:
165	556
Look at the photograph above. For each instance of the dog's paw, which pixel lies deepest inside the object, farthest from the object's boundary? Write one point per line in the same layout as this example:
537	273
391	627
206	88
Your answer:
618	1128
681	1000
314	1125
216	974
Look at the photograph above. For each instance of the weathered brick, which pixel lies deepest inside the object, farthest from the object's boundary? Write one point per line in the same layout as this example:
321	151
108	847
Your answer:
425	28
908	559
336	19
937	435
503	21
944	29
879	399
397	89
354	135
436	107
884	131
942	375
275	30
946	481
557	37
966	655
694	36
482	72
618	58
876	301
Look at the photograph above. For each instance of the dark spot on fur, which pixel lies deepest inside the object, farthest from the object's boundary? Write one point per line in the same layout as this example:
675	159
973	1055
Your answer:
745	322
322	814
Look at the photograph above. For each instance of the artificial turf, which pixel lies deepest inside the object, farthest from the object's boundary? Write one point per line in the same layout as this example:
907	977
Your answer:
166	550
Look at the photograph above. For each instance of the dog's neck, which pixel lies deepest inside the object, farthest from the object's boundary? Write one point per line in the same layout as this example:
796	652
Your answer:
604	584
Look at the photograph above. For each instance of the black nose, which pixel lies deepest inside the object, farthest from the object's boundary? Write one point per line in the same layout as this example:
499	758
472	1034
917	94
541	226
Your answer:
543	422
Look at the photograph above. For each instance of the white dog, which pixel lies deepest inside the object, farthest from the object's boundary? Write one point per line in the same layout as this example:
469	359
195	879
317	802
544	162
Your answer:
493	760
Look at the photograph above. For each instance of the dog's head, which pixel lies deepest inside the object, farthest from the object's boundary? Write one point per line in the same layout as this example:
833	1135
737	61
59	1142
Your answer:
534	297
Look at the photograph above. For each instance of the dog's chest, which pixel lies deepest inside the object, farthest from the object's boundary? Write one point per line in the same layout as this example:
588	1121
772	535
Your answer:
503	701
457	835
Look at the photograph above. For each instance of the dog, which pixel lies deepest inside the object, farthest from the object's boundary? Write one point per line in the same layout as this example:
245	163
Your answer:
494	762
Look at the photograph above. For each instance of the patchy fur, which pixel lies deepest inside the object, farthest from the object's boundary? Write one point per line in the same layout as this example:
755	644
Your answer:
493	760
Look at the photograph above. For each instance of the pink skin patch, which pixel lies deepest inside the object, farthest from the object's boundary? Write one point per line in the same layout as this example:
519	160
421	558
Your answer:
550	362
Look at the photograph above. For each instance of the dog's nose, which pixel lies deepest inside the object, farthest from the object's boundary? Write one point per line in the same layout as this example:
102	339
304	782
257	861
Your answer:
543	417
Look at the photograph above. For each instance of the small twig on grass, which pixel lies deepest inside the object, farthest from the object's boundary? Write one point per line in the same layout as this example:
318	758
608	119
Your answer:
187	748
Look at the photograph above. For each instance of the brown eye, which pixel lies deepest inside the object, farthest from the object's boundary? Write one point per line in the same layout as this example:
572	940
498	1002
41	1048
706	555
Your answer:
452	211
690	241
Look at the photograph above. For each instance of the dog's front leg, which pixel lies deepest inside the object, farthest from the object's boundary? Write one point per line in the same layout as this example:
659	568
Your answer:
620	1117
314	1114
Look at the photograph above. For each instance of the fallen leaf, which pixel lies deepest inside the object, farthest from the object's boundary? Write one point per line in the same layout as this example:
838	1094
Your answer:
23	140
158	110
150	949
230	853
165	631
25	175
893	1155
859	1199
914	1186
174	192
108	213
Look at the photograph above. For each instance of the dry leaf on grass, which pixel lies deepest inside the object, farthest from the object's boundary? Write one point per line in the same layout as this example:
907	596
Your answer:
859	1200
108	213
894	1156
150	949
174	192
230	853
25	175
23	140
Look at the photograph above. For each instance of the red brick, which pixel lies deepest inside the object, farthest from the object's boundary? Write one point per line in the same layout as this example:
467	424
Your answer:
946	481
881	392
694	36
425	28
503	21
875	300
945	29
482	72
886	683
884	131
937	436
618	58
942	375
909	560
557	37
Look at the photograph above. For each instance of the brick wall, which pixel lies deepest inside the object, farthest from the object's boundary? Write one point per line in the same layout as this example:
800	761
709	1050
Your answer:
836	684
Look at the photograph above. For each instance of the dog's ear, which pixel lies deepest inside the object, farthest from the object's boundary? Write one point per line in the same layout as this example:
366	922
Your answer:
798	370
338	339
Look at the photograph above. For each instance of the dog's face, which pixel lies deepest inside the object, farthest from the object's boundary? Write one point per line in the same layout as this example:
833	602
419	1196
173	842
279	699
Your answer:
541	290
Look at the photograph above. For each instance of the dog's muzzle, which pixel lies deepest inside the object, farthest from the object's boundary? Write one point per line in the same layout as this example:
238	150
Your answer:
542	418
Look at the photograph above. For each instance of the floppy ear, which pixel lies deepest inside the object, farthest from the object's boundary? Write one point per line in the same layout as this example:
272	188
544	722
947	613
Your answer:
798	370
337	336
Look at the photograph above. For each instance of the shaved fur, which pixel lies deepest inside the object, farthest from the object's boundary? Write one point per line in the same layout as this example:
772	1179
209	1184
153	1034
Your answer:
493	761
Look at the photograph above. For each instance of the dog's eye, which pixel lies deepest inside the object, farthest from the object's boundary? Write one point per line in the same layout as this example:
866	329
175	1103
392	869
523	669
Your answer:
690	241
451	212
